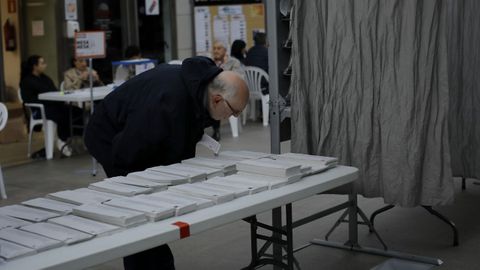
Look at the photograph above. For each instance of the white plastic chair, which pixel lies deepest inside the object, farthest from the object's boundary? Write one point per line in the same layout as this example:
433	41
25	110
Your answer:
49	127
3	123
253	77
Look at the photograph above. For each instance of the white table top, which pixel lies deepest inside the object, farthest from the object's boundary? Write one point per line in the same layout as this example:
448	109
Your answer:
80	95
129	241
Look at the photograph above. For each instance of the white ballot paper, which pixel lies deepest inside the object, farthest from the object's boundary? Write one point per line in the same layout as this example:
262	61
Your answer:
210	143
152	211
82	196
193	176
181	206
272	184
210	172
155	186
11	222
270	167
30	240
85	225
109	214
218	196
163	178
119	189
318	163
175	196
9	250
50	205
238	191
27	213
57	232
289	180
243	154
253	189
228	166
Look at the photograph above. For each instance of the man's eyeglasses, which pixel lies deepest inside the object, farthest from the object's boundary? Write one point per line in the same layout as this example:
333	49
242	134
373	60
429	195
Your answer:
234	112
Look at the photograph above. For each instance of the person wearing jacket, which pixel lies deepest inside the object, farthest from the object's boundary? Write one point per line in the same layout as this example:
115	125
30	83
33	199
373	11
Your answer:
157	118
33	82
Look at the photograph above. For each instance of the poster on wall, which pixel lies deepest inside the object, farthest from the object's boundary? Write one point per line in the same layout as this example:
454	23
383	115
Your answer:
38	28
90	44
152	7
221	31
71	10
203	31
226	23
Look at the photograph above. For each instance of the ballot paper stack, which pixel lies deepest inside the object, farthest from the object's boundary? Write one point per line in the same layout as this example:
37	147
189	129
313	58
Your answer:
27	213
230	182
317	163
184	199
180	205
10	250
11	222
158	177
269	167
119	189
241	155
227	166
198	190
85	225
59	207
109	214
82	196
153	211
60	233
258	180
29	240
143	183
191	175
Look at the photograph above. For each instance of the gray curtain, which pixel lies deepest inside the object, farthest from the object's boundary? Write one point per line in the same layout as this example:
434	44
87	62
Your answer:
370	86
464	82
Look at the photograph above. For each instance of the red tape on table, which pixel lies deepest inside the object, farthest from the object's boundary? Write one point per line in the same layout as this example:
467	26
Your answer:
184	229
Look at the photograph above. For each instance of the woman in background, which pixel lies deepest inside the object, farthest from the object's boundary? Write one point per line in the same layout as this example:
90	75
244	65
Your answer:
239	50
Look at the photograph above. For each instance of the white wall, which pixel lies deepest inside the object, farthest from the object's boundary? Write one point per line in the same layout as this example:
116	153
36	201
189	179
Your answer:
185	34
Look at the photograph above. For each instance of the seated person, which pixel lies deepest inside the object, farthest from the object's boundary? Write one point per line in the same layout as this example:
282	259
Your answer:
239	50
77	77
133	53
125	72
227	63
257	56
34	82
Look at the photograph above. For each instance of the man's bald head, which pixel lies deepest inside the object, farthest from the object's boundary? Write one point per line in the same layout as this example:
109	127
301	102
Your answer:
228	95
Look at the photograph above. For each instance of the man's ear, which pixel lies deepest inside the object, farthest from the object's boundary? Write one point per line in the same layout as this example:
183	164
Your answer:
217	98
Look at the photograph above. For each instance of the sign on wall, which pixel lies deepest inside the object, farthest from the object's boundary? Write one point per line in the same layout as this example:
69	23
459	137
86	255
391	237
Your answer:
90	44
71	10
152	7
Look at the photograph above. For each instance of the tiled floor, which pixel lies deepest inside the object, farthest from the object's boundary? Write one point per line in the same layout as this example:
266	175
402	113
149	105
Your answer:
227	247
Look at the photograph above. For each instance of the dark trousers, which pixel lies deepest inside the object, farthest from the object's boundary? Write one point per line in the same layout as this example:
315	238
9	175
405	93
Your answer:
60	114
159	258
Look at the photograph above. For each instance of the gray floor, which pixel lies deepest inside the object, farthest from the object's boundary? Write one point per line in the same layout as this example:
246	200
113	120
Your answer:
408	230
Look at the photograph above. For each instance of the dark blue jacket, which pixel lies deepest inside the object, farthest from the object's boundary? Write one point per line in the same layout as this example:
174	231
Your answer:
156	118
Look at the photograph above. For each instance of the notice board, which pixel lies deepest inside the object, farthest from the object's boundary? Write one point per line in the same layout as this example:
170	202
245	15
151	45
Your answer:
226	21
